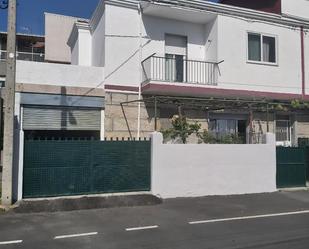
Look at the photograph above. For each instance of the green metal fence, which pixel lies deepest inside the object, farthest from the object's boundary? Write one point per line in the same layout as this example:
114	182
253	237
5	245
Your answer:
291	167
304	142
58	168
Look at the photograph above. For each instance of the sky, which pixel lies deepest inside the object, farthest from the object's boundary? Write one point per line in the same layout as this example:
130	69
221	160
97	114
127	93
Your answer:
30	13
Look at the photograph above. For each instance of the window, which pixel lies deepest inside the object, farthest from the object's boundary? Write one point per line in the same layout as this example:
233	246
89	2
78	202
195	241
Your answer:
223	127
175	55
262	48
283	132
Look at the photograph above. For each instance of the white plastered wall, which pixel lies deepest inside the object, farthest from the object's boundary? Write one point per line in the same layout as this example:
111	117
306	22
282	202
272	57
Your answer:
211	41
98	41
75	54
298	8
237	73
59	74
84	47
57	32
192	170
306	40
122	42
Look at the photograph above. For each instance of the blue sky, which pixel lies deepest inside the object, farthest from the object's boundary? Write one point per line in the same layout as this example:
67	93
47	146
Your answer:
30	13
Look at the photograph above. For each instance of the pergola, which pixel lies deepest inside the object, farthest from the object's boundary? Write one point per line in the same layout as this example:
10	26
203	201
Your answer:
210	104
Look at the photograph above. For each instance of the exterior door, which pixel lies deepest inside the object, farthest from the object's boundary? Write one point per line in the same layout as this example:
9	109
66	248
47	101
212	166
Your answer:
283	133
175	55
174	68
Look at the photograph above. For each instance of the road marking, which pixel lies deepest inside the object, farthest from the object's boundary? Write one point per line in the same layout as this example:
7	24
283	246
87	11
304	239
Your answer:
75	235
140	228
11	242
248	217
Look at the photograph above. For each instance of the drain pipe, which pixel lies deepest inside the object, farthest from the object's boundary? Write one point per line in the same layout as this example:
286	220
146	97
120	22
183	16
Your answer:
138	135
303	75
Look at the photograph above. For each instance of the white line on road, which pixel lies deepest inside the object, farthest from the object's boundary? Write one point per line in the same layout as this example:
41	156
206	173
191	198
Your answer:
11	242
248	217
140	228
75	235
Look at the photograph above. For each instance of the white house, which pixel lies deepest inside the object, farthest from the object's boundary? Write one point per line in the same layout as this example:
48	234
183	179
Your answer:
203	50
137	63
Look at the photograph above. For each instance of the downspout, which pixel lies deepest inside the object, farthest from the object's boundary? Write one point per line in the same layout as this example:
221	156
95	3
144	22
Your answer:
140	72
302	35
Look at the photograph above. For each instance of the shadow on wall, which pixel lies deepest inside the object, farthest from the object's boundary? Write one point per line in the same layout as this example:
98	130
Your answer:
156	29
67	116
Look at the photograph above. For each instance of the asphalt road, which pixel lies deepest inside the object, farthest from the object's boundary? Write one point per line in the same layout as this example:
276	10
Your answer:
279	220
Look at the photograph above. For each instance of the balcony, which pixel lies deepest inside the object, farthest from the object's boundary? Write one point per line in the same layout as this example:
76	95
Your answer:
25	56
177	69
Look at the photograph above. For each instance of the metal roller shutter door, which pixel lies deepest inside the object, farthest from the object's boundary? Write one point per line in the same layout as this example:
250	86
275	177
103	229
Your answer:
61	118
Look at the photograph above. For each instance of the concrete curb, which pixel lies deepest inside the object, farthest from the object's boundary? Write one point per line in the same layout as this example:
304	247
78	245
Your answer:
293	189
84	203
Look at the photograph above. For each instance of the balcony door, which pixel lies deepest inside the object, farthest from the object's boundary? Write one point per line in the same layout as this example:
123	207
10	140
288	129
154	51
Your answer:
175	57
174	67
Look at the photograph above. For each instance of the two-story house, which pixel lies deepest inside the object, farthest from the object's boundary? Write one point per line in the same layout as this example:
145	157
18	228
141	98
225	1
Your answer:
235	67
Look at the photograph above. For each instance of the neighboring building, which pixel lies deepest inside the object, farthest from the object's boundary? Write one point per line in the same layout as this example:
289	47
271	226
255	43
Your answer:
271	6
29	48
57	31
235	70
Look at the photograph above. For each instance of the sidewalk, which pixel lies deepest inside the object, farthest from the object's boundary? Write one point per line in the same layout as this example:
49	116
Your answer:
84	203
211	206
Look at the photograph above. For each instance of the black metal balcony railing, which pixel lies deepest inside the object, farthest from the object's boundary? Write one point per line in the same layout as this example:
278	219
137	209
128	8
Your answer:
177	69
25	56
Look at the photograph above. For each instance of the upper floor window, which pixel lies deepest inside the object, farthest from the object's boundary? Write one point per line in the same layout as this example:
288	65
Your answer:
262	48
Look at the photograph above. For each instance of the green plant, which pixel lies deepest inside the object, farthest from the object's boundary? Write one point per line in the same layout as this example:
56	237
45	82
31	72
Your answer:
296	104
207	137
230	139
181	128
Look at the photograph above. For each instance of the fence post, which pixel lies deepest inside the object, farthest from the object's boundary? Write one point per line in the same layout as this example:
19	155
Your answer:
270	138
156	142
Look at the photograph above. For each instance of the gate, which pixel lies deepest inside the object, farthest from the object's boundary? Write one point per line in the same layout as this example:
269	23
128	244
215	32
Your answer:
74	167
291	167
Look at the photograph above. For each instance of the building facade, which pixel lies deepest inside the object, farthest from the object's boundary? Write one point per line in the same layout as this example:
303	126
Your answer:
194	49
234	68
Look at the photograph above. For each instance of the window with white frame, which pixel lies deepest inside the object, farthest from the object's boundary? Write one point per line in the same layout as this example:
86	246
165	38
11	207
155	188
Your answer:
283	131
262	48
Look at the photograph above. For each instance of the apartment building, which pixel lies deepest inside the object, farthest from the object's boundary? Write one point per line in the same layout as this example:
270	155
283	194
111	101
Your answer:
29	47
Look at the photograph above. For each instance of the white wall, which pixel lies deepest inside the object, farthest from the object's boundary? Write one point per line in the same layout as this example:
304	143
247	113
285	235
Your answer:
298	8
211	41
75	53
84	47
199	170
58	74
307	62
222	39
236	73
122	42
121	46
57	32
98	37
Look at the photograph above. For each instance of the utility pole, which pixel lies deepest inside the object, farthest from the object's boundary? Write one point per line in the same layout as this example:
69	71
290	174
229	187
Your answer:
9	103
